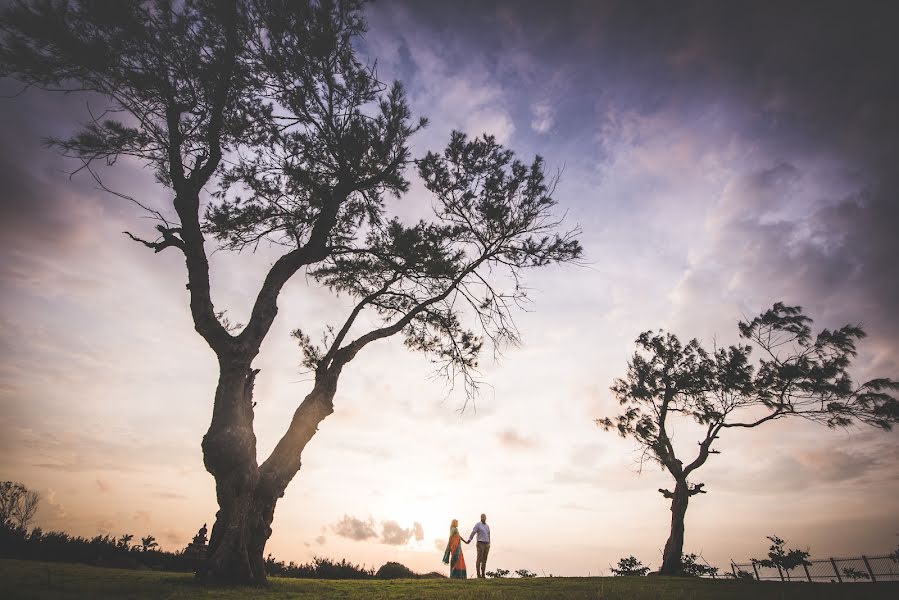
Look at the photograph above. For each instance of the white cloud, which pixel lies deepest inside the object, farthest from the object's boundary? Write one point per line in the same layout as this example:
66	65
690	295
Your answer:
544	116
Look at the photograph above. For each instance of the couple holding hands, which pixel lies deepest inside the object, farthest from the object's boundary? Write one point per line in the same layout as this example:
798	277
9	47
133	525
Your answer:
453	554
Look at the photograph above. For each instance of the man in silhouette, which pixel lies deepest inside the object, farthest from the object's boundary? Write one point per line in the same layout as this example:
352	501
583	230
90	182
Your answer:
482	530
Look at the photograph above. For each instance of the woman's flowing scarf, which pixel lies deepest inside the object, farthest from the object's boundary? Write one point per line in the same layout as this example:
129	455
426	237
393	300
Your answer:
453	555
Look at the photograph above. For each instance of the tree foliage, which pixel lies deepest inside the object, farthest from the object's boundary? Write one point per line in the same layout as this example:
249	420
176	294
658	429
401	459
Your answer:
798	375
630	567
18	506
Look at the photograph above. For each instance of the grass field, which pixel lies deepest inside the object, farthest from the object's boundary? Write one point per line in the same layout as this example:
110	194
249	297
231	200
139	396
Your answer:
26	579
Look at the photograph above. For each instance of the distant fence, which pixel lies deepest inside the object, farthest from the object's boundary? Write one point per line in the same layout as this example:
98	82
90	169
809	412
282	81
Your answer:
837	570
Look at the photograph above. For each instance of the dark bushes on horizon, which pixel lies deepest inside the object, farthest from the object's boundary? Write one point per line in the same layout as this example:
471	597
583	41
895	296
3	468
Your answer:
100	550
107	551
318	568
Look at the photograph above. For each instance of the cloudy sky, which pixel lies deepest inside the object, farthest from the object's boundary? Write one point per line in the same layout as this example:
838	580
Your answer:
718	157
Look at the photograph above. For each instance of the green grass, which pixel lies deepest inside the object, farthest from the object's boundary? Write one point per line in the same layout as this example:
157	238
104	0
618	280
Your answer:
26	579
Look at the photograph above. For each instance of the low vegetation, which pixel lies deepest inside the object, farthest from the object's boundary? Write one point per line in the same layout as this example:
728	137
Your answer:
51	581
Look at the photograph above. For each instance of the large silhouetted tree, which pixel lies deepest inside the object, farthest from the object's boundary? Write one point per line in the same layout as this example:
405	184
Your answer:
798	375
264	127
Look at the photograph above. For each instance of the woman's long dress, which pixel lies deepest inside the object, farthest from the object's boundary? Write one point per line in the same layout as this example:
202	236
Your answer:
453	556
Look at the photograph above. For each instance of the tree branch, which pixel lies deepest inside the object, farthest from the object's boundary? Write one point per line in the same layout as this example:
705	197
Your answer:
168	239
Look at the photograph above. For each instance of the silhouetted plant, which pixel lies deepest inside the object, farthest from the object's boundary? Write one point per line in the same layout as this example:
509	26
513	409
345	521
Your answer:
314	144
148	543
497	574
18	505
798	376
394	570
782	559
693	568
853	574
629	567
525	574
741	574
125	540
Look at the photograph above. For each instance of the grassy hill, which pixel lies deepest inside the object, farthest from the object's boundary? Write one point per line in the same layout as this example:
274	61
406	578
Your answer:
26	579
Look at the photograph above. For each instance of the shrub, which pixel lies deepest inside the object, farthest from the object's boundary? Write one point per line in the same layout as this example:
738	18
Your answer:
498	574
694	569
850	573
525	574
630	567
395	570
741	574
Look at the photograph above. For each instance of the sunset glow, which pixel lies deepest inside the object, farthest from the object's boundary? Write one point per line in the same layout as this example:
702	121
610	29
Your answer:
716	160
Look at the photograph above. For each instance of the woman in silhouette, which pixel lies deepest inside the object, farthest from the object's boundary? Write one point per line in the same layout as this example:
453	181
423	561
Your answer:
453	554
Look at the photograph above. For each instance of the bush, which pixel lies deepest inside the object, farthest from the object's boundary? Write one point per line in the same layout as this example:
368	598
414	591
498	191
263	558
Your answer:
498	574
741	574
630	567
395	570
692	568
525	574
319	568
853	574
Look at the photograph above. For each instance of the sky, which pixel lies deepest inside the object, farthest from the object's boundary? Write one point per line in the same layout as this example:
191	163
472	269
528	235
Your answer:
718	158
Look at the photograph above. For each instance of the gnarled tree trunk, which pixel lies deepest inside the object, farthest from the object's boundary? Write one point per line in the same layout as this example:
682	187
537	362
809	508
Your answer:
674	547
247	493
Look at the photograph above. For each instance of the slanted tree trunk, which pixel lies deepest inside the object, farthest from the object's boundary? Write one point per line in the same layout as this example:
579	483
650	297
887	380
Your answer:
674	547
248	493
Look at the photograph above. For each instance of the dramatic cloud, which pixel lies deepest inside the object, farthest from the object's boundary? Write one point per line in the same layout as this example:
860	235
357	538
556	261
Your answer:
355	529
393	534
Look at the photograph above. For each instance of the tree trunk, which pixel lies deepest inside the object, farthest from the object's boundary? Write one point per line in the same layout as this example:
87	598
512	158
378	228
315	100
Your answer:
674	547
247	493
242	524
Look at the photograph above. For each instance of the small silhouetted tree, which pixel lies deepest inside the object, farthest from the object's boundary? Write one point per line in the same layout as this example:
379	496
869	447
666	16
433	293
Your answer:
264	127
125	541
783	559
18	506
147	543
798	375
630	567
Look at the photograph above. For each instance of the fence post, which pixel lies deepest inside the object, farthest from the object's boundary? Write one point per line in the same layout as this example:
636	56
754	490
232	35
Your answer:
757	578
805	566
836	570
868	565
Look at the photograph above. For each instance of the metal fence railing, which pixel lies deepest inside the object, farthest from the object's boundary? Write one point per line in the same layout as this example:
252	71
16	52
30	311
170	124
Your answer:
837	570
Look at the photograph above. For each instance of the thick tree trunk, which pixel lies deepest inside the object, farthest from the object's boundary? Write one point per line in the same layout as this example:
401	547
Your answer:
237	544
674	547
247	493
242	524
